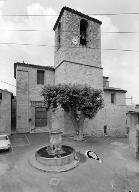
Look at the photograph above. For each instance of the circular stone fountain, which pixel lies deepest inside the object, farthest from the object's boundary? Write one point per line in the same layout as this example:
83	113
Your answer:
55	157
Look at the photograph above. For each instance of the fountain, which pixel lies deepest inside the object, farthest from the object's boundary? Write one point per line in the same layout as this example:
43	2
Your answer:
55	157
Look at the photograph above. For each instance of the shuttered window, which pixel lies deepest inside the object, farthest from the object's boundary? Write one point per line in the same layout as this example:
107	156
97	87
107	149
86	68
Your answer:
40	77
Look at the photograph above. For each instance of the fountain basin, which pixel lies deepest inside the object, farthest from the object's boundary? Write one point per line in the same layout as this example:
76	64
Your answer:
67	157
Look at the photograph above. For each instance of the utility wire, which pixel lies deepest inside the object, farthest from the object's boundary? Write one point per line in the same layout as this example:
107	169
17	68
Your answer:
50	15
44	45
121	32
37	30
7	83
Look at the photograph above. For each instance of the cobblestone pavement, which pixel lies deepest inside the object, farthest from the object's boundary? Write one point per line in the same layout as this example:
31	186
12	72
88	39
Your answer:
118	172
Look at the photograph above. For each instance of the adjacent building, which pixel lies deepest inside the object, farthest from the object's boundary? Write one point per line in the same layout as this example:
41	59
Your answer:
133	127
5	111
31	115
115	110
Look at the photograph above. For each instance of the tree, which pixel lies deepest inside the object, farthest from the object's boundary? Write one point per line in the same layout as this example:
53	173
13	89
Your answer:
80	101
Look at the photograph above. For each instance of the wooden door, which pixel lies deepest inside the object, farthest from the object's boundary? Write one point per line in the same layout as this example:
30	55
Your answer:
40	117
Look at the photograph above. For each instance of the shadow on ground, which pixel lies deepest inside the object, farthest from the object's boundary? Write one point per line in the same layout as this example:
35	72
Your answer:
82	157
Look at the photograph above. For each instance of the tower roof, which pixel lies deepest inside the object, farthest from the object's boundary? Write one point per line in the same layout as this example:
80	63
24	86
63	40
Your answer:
77	13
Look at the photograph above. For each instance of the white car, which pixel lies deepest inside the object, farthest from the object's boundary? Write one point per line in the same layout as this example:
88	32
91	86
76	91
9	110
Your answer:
5	143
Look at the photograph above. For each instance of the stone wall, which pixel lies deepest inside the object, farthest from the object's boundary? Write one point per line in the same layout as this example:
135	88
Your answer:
88	55
22	99
115	114
80	74
82	65
28	90
116	120
132	124
77	63
5	112
34	88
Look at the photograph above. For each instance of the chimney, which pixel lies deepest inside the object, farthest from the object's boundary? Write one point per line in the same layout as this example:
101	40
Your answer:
105	82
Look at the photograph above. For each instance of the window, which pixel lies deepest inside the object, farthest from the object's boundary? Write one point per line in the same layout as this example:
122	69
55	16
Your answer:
113	98
40	77
59	36
138	119
83	32
0	96
105	129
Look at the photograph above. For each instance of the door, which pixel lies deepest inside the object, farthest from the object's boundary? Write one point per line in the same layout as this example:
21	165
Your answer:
40	117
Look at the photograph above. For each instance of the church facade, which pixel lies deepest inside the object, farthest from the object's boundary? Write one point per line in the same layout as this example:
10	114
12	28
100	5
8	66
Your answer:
77	60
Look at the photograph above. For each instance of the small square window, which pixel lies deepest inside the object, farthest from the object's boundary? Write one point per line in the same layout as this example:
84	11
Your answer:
113	98
0	96
138	119
40	77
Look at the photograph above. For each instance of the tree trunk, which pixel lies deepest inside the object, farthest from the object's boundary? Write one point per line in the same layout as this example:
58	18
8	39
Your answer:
80	123
74	121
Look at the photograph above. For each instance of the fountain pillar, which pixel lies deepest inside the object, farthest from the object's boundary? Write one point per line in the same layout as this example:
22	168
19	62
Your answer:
56	132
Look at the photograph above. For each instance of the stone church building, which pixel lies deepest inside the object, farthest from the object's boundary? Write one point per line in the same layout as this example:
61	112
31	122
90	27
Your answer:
77	60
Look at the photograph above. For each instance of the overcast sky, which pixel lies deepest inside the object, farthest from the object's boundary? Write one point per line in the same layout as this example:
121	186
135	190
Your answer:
122	67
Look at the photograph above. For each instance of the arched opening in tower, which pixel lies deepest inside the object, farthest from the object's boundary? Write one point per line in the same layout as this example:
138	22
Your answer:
83	32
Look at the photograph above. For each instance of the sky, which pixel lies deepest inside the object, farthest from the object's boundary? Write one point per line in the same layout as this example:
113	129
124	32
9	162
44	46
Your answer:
121	67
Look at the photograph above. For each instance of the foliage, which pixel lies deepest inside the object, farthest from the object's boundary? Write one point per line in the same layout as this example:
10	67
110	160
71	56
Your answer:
74	98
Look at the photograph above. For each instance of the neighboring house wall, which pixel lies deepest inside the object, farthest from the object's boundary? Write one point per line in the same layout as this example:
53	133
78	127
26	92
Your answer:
29	97
112	117
5	112
22	99
115	113
13	115
133	124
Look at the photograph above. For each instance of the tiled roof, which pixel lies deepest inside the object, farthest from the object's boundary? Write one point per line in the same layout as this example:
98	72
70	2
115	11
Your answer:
134	111
104	77
77	13
5	90
114	89
32	66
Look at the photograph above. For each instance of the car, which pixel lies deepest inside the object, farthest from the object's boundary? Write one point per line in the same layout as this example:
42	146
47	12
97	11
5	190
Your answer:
5	143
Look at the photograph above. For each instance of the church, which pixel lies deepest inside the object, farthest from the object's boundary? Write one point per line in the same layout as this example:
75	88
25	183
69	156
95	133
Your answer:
77	60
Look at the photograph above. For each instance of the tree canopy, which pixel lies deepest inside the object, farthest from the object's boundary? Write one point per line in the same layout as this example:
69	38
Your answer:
73	97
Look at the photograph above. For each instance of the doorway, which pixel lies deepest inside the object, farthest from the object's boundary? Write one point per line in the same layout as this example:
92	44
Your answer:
40	117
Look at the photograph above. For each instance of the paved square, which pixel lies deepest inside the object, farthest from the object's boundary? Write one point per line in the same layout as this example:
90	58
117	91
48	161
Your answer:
54	181
19	140
118	172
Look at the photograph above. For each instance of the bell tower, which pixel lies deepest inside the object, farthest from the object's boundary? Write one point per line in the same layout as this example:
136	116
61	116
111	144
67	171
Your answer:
78	49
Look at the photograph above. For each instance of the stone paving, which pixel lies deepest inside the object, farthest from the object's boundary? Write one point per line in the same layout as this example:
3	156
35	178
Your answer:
118	172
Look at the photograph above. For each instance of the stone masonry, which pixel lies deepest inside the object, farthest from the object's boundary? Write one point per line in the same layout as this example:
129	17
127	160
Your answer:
29	91
5	112
73	63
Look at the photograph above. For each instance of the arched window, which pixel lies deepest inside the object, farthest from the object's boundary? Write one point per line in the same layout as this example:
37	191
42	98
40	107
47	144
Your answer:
83	32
